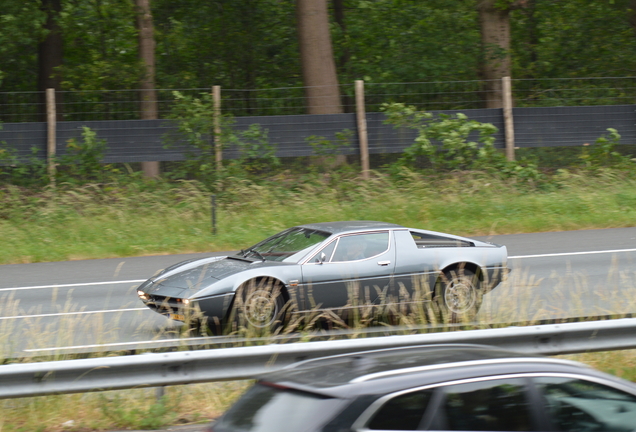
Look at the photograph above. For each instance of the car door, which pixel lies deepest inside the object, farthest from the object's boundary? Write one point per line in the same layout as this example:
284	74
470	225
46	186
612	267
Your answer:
352	270
577	404
501	404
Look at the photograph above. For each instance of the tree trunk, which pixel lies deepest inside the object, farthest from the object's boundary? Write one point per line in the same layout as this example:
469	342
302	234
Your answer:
50	52
148	102
316	55
631	15
494	22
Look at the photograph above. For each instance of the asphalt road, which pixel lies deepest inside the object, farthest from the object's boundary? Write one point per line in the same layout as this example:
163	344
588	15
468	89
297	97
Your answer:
50	307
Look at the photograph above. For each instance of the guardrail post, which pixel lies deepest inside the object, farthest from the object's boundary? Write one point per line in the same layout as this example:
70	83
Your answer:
51	142
508	119
218	145
362	128
160	392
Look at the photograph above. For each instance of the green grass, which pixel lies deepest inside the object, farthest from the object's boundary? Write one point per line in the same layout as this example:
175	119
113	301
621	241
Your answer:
158	217
137	409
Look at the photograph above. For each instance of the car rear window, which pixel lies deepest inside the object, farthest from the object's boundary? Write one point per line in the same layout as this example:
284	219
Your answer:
271	408
423	240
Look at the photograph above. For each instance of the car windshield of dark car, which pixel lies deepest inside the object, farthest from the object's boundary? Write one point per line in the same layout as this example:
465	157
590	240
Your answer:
266	408
288	246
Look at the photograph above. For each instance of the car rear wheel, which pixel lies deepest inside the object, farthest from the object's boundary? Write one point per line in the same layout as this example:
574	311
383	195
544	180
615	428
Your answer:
260	304
459	295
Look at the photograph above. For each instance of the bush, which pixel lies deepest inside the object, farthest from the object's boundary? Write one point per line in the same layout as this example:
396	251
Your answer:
195	124
27	173
82	162
445	141
603	153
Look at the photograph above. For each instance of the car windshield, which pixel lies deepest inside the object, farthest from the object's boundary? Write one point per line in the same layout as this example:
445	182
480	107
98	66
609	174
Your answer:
288	246
266	408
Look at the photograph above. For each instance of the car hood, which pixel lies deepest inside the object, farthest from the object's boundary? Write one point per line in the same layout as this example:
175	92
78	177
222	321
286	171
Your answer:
188	277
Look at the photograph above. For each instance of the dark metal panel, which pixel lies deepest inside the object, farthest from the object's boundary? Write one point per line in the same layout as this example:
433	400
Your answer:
126	140
290	133
23	137
572	126
145	140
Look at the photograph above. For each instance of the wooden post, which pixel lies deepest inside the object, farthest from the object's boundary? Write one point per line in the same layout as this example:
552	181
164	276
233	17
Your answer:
362	128
51	133
218	145
508	120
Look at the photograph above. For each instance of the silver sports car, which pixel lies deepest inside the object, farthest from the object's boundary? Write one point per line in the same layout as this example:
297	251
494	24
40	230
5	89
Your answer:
330	268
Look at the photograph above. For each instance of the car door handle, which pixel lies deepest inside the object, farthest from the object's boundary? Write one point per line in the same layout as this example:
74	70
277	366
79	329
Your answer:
384	263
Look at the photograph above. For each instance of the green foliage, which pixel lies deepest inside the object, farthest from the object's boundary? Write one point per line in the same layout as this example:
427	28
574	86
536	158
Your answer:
388	41
445	143
195	124
326	147
257	154
158	414
253	44
238	45
603	153
455	150
83	159
562	39
30	172
195	120
328	150
100	45
20	31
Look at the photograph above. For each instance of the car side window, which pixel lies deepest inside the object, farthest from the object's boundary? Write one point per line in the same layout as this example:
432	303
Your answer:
580	405
360	246
402	413
495	405
327	250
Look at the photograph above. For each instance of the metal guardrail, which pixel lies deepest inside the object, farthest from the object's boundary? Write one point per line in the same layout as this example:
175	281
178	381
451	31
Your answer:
186	367
201	342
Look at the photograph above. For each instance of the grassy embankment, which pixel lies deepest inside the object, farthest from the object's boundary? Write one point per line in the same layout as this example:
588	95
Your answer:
116	220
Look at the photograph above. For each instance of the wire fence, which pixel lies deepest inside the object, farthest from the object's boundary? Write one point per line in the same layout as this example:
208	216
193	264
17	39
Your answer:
87	105
547	113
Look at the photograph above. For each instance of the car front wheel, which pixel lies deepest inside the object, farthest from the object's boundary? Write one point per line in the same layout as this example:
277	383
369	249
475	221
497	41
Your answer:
260	305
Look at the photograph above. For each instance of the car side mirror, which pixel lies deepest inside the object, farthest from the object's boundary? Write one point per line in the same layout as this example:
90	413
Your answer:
321	259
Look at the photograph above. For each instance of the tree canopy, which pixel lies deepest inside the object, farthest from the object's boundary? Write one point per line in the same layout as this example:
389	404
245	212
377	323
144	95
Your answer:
252	44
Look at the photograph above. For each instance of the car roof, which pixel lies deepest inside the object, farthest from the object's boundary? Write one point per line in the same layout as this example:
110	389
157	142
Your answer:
400	365
348	226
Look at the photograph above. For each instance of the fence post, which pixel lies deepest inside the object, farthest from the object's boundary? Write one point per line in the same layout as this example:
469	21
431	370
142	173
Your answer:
218	146
508	120
51	133
362	128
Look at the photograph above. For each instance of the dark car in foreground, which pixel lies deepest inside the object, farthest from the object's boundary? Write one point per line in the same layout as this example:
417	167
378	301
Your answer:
330	268
437	387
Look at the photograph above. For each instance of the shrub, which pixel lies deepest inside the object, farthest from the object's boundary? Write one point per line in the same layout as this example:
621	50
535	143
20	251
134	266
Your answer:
445	141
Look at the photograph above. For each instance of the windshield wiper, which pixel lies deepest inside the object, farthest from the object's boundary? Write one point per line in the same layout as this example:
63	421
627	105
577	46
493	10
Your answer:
254	251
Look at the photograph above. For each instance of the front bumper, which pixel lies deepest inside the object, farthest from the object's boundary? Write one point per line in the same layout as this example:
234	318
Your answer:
214	308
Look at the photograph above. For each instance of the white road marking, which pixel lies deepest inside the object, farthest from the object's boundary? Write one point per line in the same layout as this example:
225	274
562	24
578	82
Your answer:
74	313
572	253
73	285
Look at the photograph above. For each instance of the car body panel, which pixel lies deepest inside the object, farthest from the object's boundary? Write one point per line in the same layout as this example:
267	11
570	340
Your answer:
411	258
